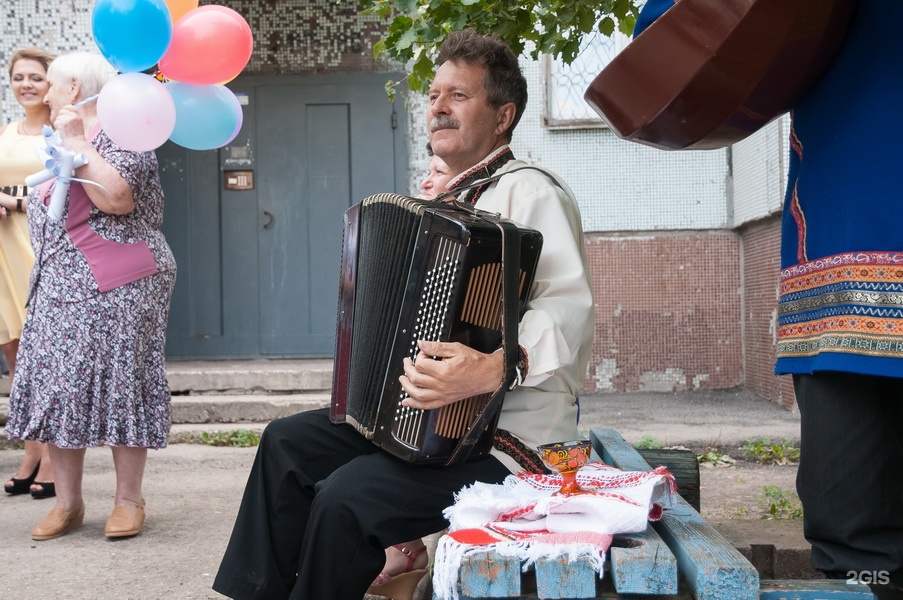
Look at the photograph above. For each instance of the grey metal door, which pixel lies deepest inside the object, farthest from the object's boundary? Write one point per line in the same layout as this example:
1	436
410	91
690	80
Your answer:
257	226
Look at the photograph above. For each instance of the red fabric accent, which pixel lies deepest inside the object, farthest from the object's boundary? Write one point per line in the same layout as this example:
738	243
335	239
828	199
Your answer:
113	264
796	211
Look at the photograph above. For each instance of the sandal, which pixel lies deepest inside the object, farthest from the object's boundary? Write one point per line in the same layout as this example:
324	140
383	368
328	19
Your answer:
48	490
402	585
22	486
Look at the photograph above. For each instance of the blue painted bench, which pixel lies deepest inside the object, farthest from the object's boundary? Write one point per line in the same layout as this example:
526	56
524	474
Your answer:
677	558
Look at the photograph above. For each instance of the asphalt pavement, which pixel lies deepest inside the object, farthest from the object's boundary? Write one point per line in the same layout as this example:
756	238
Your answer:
193	493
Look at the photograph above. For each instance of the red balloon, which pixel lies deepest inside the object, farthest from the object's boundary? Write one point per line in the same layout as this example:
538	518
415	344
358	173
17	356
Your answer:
210	44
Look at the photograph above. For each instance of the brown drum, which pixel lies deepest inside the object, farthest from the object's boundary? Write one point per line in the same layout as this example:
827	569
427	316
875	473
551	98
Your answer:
708	73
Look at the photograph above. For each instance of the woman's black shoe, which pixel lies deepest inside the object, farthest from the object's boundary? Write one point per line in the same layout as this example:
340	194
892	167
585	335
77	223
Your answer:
22	486
48	490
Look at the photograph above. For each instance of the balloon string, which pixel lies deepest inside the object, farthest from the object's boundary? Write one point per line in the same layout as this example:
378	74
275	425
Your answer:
64	180
86	100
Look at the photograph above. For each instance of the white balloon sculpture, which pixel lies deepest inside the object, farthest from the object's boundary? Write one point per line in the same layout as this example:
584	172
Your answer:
59	163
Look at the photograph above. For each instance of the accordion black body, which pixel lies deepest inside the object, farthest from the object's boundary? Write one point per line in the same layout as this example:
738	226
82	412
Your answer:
417	270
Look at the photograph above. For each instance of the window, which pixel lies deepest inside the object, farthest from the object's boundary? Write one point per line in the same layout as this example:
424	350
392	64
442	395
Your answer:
565	85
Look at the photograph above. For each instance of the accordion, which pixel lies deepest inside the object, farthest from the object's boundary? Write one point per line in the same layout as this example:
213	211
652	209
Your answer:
419	270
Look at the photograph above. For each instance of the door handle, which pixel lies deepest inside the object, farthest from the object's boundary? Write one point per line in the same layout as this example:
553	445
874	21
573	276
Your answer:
270	219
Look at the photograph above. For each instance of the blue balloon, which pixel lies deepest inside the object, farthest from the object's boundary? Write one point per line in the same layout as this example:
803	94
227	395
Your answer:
207	116
132	34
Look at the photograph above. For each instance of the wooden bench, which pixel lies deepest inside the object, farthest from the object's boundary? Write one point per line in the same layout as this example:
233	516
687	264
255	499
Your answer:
677	558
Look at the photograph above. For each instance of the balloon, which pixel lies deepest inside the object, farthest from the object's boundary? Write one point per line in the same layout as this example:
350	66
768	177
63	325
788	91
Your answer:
177	8
210	44
136	111
207	116
132	34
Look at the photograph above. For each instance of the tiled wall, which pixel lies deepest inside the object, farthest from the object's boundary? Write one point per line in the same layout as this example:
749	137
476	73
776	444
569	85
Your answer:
55	25
761	242
290	36
667	312
299	36
682	311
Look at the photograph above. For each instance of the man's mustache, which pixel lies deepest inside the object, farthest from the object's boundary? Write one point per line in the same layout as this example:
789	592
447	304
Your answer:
444	122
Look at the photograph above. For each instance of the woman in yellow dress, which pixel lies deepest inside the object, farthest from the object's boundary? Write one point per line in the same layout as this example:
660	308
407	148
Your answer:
18	140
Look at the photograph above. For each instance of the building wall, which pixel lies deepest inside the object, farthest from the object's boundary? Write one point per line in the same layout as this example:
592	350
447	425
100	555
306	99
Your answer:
667	312
761	269
55	25
682	245
302	36
620	186
290	36
758	178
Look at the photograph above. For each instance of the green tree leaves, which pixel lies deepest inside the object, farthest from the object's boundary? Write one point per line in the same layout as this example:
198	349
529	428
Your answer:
418	27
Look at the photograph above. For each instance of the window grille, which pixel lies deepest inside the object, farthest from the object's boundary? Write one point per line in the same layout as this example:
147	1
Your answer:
564	106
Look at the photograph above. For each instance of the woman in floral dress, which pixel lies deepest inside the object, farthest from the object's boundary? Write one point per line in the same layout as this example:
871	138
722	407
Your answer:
91	367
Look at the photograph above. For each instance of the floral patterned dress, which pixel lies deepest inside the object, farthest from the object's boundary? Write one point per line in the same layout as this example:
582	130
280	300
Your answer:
91	367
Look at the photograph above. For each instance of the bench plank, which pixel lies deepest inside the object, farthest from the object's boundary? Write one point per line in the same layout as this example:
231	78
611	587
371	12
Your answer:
712	567
641	563
813	589
490	575
558	578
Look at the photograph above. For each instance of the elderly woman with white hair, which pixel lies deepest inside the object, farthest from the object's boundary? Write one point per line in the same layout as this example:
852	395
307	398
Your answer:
91	366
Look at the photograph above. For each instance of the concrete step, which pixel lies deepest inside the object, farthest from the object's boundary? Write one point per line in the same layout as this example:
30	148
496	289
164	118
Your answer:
233	408
244	377
229	409
211	396
227	392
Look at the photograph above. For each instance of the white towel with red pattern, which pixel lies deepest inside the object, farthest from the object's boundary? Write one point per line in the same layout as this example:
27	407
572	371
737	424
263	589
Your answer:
525	517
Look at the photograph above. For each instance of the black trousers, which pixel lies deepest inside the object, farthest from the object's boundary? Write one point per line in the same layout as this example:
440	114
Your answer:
850	477
321	505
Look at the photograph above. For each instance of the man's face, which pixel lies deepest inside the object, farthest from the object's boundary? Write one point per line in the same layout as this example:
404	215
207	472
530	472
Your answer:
463	127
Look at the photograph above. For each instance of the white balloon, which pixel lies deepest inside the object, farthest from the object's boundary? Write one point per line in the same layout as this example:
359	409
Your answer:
136	111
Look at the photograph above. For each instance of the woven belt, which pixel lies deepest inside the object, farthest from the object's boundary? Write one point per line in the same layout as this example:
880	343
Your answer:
15	191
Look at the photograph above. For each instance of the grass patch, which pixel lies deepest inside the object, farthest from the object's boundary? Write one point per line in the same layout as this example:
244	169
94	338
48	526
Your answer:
764	451
647	442
236	438
780	505
712	458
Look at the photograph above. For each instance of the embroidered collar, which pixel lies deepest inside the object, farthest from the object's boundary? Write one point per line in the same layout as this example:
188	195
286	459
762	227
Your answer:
486	168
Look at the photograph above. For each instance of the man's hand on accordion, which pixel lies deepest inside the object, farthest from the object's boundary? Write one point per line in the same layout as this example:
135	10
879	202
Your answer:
460	372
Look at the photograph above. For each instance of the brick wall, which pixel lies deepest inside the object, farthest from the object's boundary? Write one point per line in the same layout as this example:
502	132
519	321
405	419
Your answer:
760	263
667	312
687	310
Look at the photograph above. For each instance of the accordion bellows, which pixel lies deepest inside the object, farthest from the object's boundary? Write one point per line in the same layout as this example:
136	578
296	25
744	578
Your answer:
417	270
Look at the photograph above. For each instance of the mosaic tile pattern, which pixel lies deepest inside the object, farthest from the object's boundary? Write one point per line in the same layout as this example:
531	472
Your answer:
55	25
298	36
620	185
290	36
761	279
667	312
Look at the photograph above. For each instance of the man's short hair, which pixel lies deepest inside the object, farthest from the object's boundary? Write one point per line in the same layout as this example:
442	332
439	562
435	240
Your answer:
504	81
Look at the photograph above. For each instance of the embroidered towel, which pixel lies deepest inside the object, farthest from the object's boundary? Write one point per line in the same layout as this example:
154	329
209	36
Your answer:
525	518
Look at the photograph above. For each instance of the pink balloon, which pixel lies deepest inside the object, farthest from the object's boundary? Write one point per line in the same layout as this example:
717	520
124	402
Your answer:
136	111
210	44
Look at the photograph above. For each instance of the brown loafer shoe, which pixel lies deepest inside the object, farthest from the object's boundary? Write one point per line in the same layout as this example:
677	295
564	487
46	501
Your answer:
125	521
59	522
